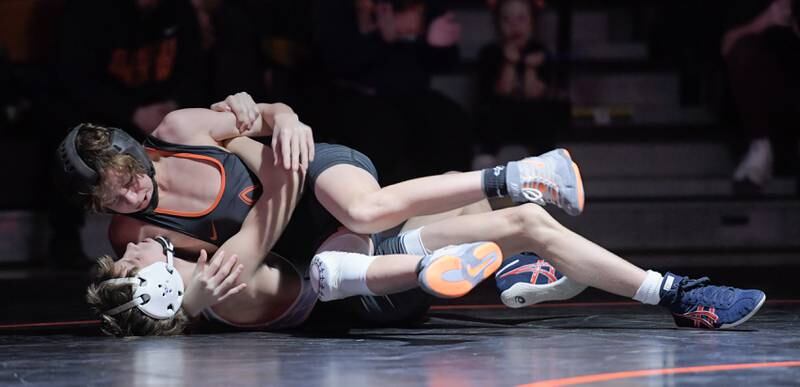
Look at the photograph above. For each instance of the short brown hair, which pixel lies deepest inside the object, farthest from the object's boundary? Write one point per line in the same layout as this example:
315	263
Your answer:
94	147
132	322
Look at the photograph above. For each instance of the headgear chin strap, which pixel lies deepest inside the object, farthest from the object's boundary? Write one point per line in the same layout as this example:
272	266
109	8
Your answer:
158	288
82	176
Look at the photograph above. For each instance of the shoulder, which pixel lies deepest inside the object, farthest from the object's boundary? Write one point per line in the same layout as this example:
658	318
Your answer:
190	126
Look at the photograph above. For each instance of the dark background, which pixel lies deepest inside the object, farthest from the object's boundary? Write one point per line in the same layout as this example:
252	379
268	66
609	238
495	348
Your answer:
649	115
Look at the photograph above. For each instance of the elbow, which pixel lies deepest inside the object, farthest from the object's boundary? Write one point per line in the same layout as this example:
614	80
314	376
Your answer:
170	126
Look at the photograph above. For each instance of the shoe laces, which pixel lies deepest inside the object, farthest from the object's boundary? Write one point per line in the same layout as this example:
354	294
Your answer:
541	191
700	292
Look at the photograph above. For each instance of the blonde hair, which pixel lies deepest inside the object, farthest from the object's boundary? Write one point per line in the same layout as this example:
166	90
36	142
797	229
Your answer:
132	322
94	147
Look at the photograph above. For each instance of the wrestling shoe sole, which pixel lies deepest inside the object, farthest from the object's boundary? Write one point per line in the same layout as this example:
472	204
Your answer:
522	294
454	274
576	177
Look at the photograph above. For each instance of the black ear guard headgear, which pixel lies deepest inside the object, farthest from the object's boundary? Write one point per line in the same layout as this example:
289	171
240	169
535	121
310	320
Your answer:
82	177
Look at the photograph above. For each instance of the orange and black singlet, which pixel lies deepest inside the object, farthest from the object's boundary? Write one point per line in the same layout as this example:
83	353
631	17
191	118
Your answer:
239	189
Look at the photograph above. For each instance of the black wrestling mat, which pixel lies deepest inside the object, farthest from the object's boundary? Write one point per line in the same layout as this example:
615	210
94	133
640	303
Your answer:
608	344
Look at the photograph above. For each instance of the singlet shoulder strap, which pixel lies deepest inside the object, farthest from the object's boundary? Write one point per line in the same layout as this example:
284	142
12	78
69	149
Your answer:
156	143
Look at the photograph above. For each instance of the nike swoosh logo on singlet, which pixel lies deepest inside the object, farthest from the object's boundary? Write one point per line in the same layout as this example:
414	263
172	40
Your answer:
213	232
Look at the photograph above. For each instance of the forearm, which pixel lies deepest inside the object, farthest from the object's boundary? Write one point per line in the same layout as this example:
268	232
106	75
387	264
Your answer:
271	213
264	224
272	114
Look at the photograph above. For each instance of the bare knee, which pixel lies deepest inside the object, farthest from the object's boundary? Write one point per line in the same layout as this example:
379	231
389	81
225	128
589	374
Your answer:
369	214
533	223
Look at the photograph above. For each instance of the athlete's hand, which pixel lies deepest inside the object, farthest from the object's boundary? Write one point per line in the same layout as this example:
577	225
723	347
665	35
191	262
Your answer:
244	108
212	283
292	142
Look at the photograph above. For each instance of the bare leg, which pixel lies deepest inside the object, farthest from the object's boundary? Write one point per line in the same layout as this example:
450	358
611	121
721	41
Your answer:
474	208
353	197
392	274
530	228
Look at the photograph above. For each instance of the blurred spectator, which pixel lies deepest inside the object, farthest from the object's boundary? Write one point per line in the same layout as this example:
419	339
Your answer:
520	104
380	55
762	53
232	32
128	63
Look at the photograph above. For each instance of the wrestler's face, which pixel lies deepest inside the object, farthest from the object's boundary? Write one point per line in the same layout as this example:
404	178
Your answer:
139	255
126	195
515	22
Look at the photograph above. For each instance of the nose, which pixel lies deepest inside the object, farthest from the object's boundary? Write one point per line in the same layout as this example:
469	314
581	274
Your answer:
130	249
131	196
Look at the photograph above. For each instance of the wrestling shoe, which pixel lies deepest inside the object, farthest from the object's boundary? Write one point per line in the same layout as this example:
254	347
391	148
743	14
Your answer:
696	304
527	280
453	271
549	178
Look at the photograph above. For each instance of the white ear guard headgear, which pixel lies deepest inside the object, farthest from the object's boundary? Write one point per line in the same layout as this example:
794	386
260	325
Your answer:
158	288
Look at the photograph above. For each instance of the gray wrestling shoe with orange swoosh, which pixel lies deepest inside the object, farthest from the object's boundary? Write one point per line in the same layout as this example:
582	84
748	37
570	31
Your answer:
548	178
453	271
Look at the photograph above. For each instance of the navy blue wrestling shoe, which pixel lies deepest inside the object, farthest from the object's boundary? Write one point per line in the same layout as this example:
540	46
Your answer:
697	304
527	279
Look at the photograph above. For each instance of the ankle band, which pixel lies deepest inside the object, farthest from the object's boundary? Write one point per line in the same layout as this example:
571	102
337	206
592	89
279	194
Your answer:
494	182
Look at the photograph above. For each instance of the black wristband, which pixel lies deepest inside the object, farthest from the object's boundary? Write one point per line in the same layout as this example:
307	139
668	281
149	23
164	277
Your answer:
494	182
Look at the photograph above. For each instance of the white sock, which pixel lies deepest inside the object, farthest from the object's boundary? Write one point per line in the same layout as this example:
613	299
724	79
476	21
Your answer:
336	275
648	292
412	241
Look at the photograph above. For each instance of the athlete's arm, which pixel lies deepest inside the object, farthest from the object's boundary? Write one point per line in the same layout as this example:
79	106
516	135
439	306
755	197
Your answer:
238	115
255	120
292	140
197	126
269	216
